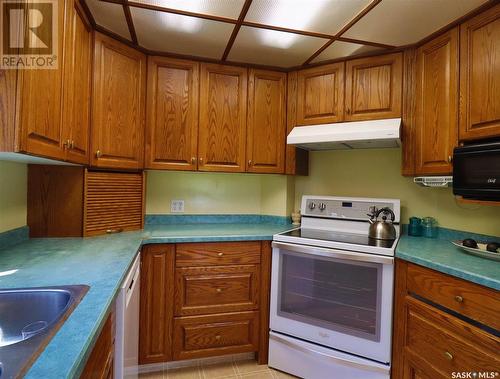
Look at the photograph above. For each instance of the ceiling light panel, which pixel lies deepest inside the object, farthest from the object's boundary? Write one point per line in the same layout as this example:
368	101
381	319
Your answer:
273	48
340	49
167	32
222	8
322	16
109	16
402	22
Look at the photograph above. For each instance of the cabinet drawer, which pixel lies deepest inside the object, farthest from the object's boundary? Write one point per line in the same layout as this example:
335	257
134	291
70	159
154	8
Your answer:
446	343
471	300
204	290
202	336
210	254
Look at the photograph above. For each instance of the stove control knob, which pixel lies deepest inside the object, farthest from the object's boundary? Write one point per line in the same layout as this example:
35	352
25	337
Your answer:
312	206
322	206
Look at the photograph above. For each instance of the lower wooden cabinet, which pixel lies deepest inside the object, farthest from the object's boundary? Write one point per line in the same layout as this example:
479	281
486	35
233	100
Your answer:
211	335
100	364
156	313
435	329
204	299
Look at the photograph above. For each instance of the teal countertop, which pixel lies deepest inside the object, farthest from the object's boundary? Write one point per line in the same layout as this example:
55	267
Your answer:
439	254
102	263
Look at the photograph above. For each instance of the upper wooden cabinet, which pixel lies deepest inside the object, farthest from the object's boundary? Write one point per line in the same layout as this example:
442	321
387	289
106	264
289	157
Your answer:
172	114
266	121
223	104
118	100
480	76
437	104
40	106
46	112
320	95
373	87
77	85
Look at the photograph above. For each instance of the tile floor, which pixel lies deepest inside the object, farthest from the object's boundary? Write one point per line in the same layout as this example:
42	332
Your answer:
226	370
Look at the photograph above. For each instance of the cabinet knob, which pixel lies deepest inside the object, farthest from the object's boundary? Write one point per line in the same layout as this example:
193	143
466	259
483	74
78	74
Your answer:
448	355
220	254
98	154
193	160
200	160
67	144
72	144
217	337
249	162
459	299
348	110
219	290
450	159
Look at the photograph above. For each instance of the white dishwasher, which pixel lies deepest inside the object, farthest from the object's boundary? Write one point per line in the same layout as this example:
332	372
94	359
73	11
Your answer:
127	324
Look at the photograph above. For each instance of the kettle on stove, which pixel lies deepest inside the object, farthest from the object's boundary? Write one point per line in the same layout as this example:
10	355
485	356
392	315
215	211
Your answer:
384	229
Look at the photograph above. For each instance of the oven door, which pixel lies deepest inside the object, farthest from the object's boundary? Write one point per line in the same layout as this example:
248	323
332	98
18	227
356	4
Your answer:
335	298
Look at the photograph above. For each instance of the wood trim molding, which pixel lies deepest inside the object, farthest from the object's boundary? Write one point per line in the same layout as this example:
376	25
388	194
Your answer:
130	24
236	22
346	27
243	14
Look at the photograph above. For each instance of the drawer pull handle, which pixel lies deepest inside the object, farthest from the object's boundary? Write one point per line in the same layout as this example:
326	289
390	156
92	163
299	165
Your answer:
448	355
219	290
459	299
217	337
220	254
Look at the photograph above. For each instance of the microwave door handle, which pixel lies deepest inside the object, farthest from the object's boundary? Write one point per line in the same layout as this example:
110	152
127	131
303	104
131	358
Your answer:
341	254
338	360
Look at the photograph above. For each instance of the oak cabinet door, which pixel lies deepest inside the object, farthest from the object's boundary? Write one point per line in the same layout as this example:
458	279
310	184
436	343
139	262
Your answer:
157	310
480	76
373	87
40	110
223	104
320	95
266	121
437	104
118	111
77	85
172	114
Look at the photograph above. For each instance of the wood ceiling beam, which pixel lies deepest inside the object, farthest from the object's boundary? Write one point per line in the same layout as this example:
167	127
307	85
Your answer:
236	29
130	23
178	11
88	13
346	27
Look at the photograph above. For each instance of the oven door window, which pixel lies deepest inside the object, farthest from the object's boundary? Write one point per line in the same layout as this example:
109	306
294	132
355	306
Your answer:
336	294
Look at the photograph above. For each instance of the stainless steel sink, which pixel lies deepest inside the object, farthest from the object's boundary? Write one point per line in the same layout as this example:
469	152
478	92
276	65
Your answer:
28	320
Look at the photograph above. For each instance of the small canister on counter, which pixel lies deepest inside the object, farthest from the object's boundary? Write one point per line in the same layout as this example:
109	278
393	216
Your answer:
429	227
415	227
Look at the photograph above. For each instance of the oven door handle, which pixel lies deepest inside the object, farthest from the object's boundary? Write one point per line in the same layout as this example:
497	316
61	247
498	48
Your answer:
338	360
341	254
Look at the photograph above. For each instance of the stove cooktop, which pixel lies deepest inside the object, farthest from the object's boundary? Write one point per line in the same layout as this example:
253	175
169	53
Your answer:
340	237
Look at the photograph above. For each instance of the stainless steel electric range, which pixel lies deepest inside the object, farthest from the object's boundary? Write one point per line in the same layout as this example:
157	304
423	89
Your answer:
332	292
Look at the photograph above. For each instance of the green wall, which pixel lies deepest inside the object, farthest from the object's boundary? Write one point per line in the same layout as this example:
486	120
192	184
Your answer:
219	193
13	189
376	173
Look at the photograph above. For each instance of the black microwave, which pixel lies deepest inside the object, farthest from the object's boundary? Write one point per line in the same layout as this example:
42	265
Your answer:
476	171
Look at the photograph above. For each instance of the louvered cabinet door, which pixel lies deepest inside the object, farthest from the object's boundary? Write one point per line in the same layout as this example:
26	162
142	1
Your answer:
113	202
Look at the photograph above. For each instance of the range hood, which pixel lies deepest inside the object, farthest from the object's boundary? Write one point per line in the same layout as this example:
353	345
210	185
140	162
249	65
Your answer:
347	135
